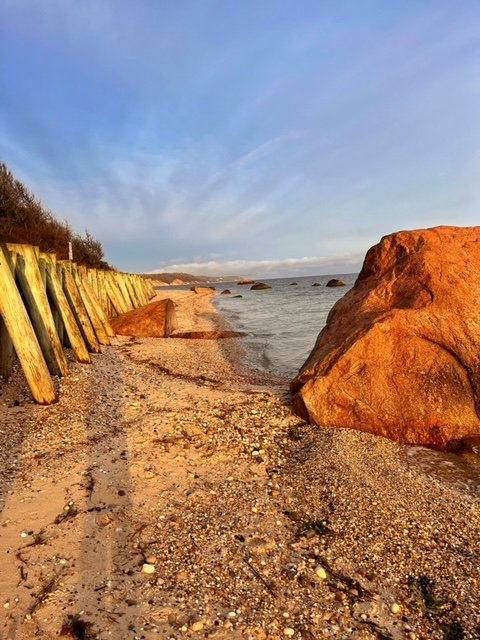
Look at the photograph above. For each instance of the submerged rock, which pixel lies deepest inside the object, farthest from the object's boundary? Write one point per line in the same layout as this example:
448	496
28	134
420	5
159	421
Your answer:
335	282
399	354
226	292
260	285
316	284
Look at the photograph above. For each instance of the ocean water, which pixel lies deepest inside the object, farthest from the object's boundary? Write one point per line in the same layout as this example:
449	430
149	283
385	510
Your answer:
282	323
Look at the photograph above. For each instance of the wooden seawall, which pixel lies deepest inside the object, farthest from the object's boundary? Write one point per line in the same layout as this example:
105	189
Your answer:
48	304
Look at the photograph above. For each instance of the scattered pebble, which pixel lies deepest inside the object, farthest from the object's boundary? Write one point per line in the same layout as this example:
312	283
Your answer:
321	573
148	568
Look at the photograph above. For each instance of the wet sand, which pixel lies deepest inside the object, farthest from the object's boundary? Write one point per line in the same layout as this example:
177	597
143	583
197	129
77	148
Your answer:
171	493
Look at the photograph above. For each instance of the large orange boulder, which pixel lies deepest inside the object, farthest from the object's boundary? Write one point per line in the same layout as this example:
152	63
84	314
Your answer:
400	354
154	320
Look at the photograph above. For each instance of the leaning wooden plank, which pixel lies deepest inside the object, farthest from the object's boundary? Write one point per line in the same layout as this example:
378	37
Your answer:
107	305
6	351
114	293
23	337
120	282
60	302
36	301
98	309
79	311
93	281
132	292
43	259
142	289
97	325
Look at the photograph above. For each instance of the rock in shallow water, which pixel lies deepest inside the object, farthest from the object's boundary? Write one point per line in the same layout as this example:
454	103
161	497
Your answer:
399	354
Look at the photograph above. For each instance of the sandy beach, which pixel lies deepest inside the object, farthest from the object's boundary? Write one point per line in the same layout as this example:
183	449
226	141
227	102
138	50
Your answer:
172	493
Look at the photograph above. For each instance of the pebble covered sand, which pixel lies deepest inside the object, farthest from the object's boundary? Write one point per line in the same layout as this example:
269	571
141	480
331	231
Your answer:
171	493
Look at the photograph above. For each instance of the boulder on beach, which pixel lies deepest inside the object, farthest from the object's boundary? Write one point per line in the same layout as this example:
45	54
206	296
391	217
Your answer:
399	355
335	282
293	284
154	320
260	285
245	281
226	292
206	291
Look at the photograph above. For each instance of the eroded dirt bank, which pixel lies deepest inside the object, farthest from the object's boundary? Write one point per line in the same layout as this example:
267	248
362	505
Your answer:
171	493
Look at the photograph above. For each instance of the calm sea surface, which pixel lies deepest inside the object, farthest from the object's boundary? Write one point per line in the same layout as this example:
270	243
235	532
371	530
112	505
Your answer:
283	322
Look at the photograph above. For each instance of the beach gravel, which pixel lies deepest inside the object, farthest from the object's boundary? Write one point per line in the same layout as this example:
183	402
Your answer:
170	454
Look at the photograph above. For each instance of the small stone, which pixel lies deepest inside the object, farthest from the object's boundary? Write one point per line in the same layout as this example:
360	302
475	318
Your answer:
321	573
289	632
148	568
151	559
395	608
198	626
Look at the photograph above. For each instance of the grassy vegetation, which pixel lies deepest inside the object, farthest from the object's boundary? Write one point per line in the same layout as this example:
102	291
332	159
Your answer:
24	219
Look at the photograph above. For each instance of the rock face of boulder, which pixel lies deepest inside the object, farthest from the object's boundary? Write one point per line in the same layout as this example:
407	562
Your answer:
154	320
206	291
400	354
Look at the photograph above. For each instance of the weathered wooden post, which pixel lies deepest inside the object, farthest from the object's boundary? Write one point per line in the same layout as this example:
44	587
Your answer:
35	296
57	295
97	325
78	308
43	258
98	308
114	294
23	336
7	352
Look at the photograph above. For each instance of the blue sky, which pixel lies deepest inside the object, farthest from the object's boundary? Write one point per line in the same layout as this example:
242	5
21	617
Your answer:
267	137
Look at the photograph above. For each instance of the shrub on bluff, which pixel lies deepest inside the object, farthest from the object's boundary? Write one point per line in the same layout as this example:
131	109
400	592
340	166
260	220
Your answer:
400	354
